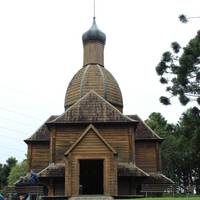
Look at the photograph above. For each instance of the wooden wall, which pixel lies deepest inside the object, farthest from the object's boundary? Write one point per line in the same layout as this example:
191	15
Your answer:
147	156
119	137
64	138
93	53
38	156
91	147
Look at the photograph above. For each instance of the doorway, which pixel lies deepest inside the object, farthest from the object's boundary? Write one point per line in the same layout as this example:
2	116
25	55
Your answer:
91	177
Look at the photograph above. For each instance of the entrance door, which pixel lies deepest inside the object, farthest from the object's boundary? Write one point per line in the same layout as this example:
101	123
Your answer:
91	177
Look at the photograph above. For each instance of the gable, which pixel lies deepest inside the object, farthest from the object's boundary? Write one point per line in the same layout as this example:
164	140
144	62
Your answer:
90	141
92	108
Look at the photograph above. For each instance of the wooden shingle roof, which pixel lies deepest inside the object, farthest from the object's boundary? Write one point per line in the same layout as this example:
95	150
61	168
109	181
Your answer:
143	131
92	108
93	77
42	134
130	169
158	178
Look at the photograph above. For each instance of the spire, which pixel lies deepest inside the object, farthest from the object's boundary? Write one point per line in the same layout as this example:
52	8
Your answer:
94	8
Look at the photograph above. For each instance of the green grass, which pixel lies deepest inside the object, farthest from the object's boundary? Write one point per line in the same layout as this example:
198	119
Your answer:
169	198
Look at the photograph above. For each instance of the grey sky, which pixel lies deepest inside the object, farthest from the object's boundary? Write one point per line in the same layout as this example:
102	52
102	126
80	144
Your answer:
41	50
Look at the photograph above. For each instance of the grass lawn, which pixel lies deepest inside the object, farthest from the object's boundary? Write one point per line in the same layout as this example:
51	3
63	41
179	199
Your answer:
170	198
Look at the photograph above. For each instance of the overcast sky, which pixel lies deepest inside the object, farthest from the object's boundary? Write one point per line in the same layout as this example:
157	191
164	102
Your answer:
41	50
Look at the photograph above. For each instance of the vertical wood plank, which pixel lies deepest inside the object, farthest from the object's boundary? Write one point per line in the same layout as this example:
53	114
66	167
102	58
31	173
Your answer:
52	144
158	157
30	157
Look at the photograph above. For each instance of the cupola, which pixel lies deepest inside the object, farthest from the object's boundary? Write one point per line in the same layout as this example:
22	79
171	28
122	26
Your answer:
93	44
93	75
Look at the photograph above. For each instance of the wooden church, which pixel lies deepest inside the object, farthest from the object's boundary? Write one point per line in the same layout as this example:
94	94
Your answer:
93	148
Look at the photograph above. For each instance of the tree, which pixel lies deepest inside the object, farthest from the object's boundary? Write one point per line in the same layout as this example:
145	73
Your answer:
179	69
159	124
180	151
190	132
5	171
18	171
2	182
168	147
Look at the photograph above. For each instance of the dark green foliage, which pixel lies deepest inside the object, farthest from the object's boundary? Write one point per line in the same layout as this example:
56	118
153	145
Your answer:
183	18
166	57
163	80
19	170
180	151
189	129
168	147
176	47
183	99
198	100
5	171
198	76
165	100
159	124
180	71
161	68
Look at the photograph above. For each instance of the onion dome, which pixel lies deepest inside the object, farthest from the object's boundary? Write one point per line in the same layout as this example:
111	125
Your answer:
94	77
94	34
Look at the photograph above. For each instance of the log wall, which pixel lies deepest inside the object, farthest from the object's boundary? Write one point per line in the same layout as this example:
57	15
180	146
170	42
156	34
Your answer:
147	157
38	155
120	137
64	138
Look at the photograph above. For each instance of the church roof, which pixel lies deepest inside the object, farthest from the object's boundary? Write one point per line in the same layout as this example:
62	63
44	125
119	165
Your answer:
93	77
42	134
158	178
94	34
92	108
143	131
130	169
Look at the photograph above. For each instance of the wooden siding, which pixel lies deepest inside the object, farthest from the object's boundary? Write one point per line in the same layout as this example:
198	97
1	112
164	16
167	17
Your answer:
120	138
93	53
146	156
39	158
65	137
90	147
29	156
93	144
